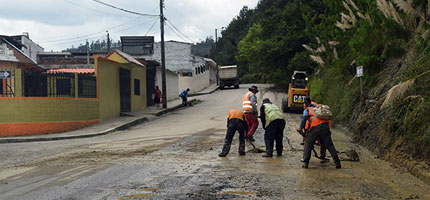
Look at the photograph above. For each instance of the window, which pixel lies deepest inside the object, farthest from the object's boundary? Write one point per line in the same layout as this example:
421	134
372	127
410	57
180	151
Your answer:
1	87
137	87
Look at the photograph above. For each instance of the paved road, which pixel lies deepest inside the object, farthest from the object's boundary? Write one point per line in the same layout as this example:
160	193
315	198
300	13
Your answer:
175	157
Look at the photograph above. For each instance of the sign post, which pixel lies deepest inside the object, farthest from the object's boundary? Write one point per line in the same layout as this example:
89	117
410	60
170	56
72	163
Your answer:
5	74
360	75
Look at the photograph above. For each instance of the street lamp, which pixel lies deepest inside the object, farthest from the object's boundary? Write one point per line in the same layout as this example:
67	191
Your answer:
216	55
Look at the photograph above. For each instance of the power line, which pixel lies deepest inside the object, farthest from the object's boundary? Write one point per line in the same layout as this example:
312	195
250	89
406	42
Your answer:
98	11
179	31
78	40
189	22
124	10
151	27
86	35
131	27
175	32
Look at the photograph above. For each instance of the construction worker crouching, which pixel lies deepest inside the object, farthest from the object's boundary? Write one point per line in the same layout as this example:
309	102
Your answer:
235	122
308	104
271	116
251	111
318	128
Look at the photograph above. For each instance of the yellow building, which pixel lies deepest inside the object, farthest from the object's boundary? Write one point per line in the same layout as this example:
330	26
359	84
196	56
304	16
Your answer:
121	84
121	87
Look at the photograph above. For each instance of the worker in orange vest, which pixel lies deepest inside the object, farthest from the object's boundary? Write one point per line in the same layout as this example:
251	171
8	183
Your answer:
319	128
251	111
307	105
235	122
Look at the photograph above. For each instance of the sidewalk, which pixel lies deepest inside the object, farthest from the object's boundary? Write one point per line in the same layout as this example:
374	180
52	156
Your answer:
108	126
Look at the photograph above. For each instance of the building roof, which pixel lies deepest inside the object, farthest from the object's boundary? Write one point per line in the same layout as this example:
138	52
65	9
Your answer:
174	41
55	53
128	58
70	70
18	50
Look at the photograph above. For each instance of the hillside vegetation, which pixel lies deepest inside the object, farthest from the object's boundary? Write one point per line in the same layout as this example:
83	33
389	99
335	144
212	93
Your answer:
329	39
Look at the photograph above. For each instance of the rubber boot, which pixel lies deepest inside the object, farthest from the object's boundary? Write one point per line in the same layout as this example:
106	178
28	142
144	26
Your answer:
225	150
337	164
242	149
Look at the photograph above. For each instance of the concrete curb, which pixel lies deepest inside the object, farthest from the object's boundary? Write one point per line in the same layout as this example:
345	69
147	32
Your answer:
204	93
124	126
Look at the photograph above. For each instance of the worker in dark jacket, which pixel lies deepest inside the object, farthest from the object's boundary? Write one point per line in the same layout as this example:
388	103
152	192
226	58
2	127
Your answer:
235	122
184	97
273	123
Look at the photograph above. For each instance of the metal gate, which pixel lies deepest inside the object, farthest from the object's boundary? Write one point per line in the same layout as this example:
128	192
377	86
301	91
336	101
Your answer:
124	90
35	84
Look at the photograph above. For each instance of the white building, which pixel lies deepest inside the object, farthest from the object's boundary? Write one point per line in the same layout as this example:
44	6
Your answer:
30	48
195	72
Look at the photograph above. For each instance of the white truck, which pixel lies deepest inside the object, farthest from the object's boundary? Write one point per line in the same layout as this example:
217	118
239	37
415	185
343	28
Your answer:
228	76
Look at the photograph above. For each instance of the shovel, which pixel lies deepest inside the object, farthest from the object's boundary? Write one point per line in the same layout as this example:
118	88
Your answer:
255	149
313	149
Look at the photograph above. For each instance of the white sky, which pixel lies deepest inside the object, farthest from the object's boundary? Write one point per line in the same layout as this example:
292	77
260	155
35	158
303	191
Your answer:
59	24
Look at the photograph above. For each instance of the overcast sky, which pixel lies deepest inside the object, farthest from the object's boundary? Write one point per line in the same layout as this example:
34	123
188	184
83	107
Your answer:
59	24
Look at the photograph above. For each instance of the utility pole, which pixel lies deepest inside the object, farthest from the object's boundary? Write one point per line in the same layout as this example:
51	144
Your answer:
88	53
108	42
216	57
163	58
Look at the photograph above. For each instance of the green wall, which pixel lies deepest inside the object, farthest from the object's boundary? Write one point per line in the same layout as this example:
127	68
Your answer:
47	110
138	102
108	77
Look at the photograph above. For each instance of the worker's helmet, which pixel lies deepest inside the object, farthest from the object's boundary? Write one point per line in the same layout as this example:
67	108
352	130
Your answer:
266	100
253	88
307	99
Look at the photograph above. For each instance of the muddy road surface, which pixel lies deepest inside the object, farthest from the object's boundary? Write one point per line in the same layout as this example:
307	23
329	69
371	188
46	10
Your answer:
175	156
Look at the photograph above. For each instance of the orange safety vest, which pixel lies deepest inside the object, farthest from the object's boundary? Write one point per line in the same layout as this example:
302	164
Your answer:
309	113
236	114
247	106
313	120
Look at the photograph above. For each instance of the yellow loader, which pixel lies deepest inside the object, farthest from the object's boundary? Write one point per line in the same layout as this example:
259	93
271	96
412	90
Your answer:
298	89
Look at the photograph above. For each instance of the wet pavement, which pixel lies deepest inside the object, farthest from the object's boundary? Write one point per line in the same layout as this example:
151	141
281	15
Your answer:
175	157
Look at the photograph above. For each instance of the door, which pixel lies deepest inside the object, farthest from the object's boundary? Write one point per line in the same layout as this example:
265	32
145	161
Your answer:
125	90
150	85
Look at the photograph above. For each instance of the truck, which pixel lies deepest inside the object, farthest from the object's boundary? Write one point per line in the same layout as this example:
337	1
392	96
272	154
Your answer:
228	76
298	89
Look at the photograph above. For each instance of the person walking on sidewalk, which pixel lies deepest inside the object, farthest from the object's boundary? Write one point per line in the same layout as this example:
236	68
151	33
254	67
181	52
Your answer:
272	116
319	128
157	96
235	122
184	96
251	111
